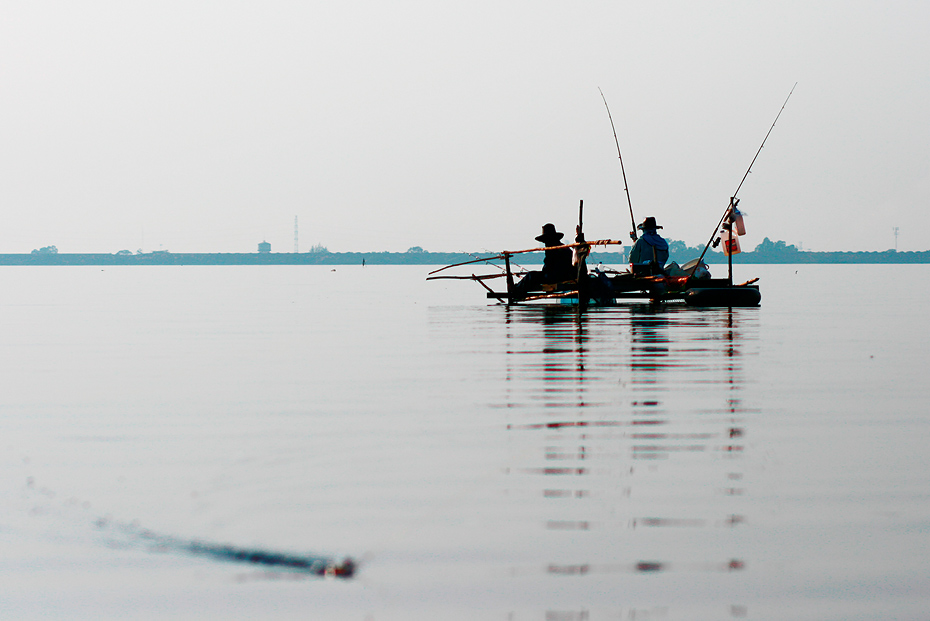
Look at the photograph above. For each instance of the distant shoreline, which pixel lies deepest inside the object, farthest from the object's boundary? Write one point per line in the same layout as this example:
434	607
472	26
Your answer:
428	258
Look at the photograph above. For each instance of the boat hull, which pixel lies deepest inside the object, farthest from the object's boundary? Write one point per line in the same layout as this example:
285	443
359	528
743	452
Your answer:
745	295
710	292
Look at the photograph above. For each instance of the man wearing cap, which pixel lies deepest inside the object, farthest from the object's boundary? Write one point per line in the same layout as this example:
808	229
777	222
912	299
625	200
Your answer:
650	252
557	264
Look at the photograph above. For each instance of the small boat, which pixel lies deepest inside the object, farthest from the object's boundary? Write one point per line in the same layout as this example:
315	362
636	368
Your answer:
607	287
690	284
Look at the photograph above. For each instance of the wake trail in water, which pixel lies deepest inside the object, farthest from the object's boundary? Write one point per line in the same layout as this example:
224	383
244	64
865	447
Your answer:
125	535
308	564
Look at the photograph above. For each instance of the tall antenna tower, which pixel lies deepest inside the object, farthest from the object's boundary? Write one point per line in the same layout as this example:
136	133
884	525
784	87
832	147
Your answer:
295	235
895	239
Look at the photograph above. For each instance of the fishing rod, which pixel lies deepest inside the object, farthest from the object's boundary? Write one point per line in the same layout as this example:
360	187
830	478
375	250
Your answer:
477	258
622	170
733	200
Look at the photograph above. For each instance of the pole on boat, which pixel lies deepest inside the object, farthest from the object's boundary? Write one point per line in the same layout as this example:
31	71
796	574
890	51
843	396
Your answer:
729	228
490	290
581	253
733	199
509	277
626	187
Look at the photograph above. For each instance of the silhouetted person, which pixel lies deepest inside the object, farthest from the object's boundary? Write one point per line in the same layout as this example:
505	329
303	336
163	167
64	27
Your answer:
557	264
650	252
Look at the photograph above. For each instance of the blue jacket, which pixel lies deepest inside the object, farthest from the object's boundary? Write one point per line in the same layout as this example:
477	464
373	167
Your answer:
651	247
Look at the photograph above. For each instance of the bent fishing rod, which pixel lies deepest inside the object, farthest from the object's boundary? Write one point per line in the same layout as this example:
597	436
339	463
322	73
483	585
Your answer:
733	200
622	170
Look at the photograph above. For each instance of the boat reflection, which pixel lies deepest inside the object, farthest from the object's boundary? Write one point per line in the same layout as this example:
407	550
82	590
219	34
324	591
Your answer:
626	429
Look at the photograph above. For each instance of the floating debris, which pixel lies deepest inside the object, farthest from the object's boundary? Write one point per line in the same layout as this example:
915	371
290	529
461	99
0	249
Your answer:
315	565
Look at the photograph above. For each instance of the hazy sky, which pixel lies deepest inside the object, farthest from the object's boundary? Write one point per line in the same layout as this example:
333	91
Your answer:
208	126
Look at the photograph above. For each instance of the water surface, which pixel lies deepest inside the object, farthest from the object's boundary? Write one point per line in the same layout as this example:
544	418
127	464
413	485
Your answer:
478	461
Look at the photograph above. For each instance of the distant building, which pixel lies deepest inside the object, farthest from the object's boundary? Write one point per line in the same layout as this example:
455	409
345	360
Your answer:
264	247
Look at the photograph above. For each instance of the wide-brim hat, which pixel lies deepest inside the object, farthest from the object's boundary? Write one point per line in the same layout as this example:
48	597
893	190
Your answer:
649	224
549	234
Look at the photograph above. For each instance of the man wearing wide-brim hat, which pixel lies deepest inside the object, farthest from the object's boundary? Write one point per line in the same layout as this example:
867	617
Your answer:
650	252
557	264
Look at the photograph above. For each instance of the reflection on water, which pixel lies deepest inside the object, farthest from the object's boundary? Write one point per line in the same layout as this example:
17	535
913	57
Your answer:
628	423
484	462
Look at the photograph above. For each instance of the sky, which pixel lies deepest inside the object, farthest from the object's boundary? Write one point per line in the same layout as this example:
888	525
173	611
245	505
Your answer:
208	126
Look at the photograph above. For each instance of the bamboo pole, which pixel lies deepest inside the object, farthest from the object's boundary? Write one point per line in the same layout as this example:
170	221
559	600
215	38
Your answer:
469	277
581	253
497	257
510	285
490	290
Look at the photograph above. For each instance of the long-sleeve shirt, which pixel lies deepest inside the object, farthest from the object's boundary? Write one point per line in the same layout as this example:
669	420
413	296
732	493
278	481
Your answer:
557	266
650	247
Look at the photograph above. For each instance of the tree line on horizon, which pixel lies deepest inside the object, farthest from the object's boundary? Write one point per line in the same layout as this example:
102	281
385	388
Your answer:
767	251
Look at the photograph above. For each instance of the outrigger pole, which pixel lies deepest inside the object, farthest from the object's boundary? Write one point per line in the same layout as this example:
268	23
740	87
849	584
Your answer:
622	170
733	200
507	254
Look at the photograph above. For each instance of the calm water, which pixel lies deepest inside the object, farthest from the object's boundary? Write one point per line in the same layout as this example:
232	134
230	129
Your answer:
479	462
